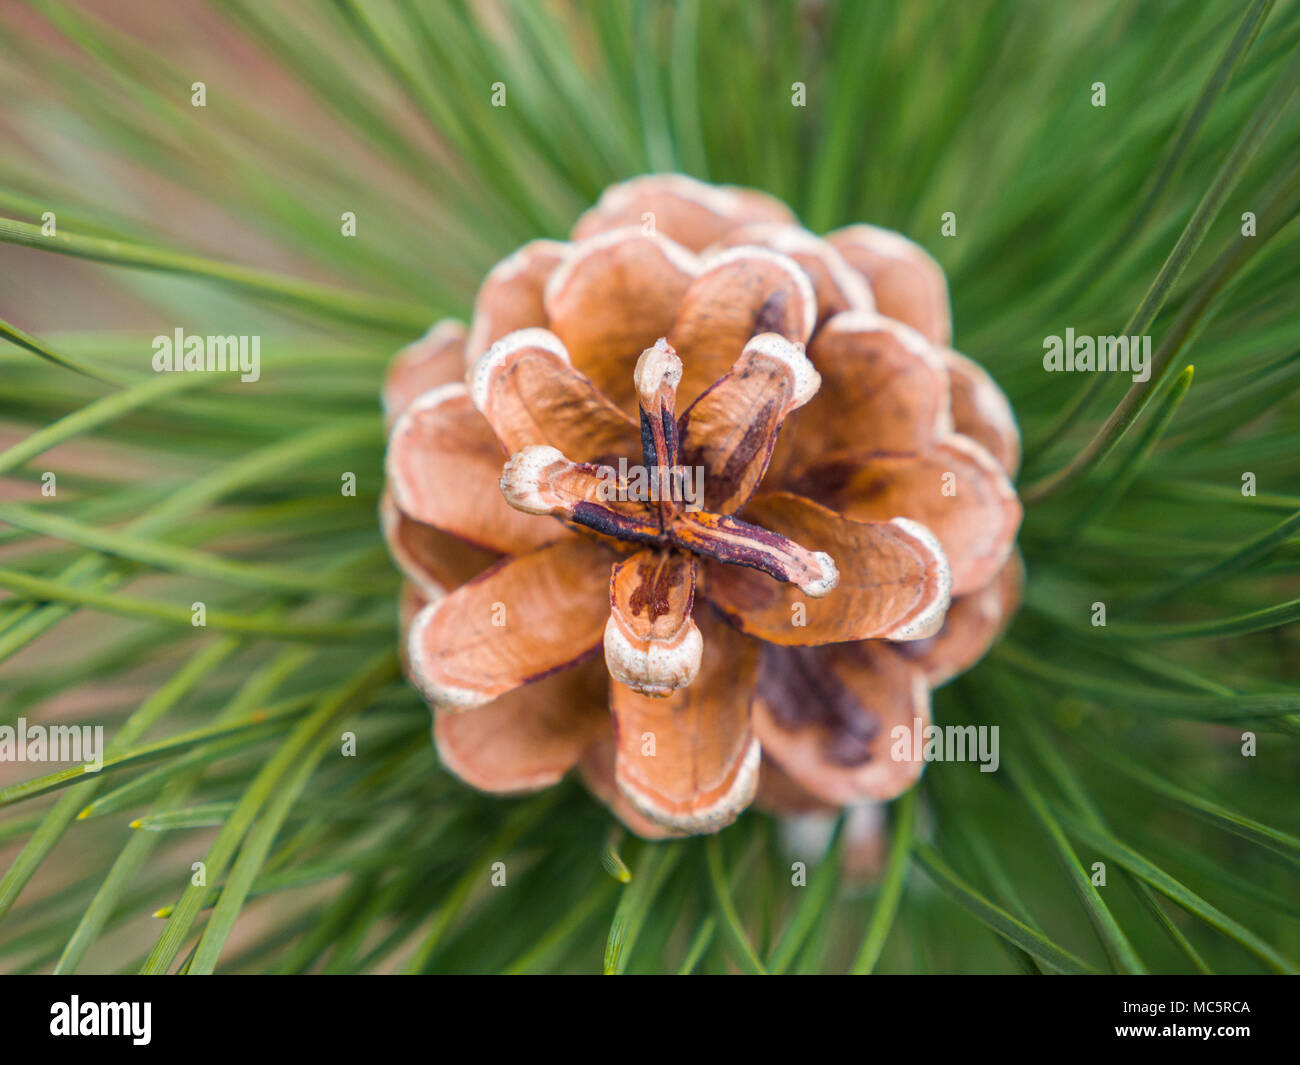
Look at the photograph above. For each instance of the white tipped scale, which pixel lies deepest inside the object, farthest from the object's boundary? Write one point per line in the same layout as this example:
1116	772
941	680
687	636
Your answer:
991	403
795	240
990	400
930	620
825	584
720	199
886	242
806	378
656	367
718	814
852	285
427	401
982	457
875	322
653	667
390	522
434	341
523	479
522	274
519	260
486	365
912	341
441	332
403	427
437	692
682	258
895	261
465	770
727	256
1011	510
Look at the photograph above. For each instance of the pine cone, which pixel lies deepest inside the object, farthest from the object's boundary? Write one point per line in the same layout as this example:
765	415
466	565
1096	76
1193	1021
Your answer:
780	552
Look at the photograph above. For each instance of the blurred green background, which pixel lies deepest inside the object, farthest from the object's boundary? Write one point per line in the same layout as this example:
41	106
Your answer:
1121	745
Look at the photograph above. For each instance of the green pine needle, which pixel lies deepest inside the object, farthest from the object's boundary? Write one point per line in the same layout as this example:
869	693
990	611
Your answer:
270	798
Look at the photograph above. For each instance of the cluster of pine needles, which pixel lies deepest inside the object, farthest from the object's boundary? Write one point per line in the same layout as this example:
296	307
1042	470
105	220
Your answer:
228	832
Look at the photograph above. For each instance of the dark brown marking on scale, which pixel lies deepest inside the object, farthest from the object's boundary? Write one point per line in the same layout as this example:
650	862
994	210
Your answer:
611	523
825	482
656	580
755	547
771	316
660	445
757	443
668	426
648	452
800	690
681	533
